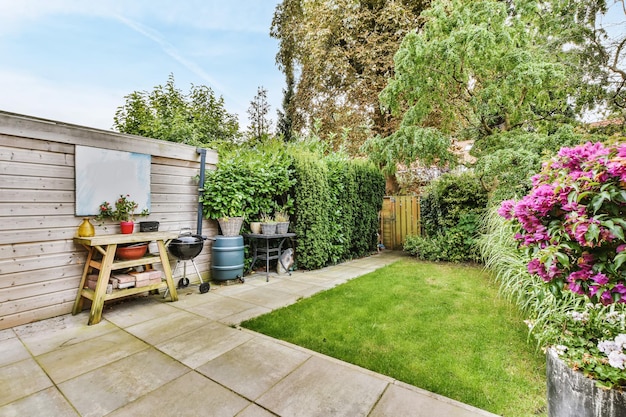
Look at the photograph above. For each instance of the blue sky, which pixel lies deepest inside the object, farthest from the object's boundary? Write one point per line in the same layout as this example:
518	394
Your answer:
75	60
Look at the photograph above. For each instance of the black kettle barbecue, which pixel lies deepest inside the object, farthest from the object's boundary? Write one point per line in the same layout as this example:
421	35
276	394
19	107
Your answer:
185	248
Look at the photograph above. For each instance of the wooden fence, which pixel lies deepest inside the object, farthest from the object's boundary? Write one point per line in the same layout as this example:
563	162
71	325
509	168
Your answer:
40	265
399	218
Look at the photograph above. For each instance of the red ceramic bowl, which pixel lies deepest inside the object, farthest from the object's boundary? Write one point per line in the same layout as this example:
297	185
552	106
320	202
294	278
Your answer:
131	252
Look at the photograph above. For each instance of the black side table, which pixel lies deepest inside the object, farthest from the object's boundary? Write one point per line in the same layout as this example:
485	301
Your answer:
268	252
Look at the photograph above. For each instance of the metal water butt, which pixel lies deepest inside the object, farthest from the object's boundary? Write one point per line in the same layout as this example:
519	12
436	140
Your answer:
227	258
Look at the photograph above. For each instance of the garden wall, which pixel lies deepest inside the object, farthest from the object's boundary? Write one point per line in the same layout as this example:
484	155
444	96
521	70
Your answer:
40	266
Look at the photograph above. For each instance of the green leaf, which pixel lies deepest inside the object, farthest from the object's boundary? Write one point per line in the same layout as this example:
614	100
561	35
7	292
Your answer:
619	259
593	233
562	258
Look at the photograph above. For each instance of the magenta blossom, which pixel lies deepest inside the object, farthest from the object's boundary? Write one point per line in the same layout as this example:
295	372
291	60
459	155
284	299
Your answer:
571	222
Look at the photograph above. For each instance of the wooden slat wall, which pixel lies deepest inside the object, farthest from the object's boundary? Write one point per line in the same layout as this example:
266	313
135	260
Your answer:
400	217
40	266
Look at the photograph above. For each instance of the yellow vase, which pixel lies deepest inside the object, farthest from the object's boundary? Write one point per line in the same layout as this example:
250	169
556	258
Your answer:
86	229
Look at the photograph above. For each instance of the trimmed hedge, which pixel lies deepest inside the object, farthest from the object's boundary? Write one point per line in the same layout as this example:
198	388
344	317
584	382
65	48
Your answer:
335	200
336	208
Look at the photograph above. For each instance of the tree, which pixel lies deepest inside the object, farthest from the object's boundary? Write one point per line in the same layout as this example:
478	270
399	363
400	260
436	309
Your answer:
166	113
260	125
480	68
342	52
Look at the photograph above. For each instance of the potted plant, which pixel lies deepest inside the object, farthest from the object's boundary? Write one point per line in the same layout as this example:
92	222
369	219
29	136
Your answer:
225	203
572	229
282	222
123	211
268	225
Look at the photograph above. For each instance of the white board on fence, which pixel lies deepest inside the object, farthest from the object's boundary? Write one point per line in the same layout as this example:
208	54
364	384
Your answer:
104	175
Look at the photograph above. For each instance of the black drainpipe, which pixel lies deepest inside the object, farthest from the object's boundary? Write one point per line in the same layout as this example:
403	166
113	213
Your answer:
202	153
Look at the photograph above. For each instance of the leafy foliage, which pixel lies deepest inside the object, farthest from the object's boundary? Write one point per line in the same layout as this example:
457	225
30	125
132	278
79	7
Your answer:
312	217
566	322
367	203
248	181
485	68
260	125
166	113
342	52
452	208
507	160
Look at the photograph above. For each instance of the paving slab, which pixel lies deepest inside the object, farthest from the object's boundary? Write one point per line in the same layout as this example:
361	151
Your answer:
203	344
136	310
190	395
13	350
70	361
254	410
21	379
105	389
321	388
267	297
253	367
160	329
221	307
58	332
406	401
46	403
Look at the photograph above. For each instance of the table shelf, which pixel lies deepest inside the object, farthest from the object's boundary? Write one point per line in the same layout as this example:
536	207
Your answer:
104	248
124	292
267	252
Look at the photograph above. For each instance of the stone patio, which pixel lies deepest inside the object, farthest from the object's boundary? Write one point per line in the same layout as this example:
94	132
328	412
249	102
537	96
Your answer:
153	358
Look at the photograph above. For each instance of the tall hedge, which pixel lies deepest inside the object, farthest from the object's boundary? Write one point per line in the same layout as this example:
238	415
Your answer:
312	211
367	203
337	201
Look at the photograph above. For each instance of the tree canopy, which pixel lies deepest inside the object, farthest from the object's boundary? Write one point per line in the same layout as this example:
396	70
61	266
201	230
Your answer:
167	113
339	54
481	68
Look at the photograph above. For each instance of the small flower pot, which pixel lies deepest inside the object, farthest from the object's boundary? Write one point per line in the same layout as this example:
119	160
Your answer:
255	227
127	227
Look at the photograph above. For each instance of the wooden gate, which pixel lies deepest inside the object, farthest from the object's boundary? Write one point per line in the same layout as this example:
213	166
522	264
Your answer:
399	218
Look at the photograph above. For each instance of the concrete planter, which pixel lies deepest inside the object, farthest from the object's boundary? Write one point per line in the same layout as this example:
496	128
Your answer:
571	394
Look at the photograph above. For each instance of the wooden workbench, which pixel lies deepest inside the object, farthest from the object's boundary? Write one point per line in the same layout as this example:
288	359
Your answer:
101	256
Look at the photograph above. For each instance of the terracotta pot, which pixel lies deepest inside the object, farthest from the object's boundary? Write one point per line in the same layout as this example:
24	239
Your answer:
127	227
131	252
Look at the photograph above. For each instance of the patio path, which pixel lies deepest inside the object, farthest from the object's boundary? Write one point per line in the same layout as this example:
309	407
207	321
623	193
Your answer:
153	358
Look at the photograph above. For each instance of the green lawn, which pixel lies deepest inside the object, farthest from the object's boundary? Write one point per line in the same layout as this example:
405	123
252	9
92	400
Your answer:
440	327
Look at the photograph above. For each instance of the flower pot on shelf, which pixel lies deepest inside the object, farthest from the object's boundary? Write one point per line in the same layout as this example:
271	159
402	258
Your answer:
282	228
127	227
268	228
255	227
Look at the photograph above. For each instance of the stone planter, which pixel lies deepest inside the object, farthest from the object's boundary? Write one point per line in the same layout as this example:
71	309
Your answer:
268	228
282	228
571	394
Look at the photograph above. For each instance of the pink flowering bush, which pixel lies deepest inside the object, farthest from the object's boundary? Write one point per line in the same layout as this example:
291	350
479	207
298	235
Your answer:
572	223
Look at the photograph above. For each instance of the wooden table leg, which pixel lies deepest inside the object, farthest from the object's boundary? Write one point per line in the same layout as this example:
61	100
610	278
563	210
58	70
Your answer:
167	270
78	303
97	304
